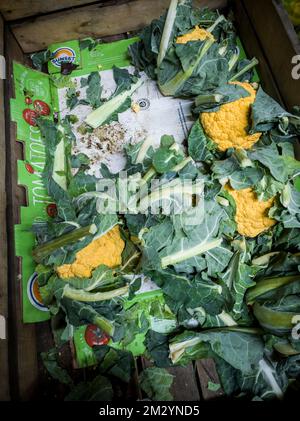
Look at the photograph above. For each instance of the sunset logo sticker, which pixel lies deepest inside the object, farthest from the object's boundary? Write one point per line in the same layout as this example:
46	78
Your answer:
34	293
63	55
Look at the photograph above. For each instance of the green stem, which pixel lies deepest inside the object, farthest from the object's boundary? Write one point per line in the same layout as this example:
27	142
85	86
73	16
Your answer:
285	349
149	174
177	349
174	347
104	324
245	69
271	319
98	117
243	159
172	86
143	150
233	60
134	256
220	19
265	259
167	32
268	284
98	282
223	48
182	255
81	295
181	164
208	99
43	250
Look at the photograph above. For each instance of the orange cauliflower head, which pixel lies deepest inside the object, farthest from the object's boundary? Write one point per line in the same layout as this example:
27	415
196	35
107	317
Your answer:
106	250
251	214
227	127
197	34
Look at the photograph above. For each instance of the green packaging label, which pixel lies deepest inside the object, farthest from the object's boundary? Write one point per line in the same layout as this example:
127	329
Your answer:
33	308
68	52
104	57
30	86
84	354
101	57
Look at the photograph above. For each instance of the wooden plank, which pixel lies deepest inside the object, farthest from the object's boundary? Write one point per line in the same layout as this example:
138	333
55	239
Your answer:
253	48
280	44
18	9
288	25
184	387
4	372
93	21
207	373
22	338
133	391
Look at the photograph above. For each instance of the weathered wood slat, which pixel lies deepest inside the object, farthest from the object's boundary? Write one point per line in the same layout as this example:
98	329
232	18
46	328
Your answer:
253	49
4	374
22	342
18	9
184	387
133	391
279	42
92	21
207	373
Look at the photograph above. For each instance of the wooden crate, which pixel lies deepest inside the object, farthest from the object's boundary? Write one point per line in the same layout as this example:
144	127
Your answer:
4	388
279	43
24	30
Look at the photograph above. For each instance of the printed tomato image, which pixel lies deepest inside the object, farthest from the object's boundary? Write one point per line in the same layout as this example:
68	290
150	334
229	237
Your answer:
29	168
51	210
30	116
95	336
28	100
41	107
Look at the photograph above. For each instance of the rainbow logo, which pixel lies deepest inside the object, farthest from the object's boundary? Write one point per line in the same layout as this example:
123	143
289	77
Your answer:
63	55
33	293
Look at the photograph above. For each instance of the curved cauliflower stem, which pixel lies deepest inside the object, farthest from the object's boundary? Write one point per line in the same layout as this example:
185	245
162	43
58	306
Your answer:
228	126
106	250
197	34
251	214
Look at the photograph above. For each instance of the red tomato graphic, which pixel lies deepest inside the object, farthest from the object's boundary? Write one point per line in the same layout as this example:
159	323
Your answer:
41	107
51	210
30	116
29	168
95	336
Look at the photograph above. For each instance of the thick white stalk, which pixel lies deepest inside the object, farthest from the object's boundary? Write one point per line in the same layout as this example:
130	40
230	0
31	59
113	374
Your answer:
101	114
167	32
182	255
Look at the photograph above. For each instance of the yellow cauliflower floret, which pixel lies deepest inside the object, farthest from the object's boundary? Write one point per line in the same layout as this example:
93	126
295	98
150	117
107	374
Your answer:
135	107
227	127
251	214
106	250
197	34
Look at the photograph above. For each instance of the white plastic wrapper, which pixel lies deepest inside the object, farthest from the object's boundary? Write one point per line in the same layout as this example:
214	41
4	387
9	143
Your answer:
157	115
